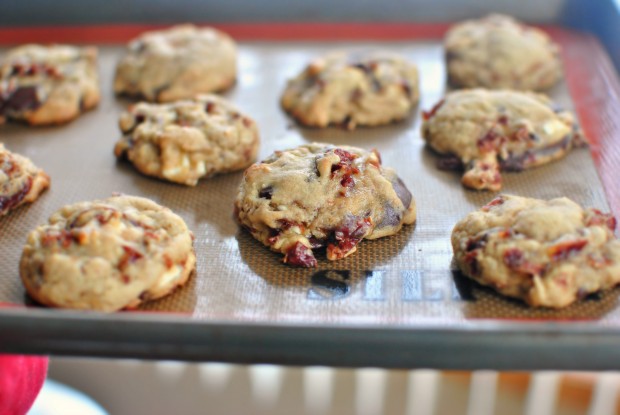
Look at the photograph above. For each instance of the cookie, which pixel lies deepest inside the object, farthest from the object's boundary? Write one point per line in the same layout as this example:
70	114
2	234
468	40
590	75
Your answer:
43	85
321	196
497	51
485	131
107	255
546	253
20	181
185	141
177	63
351	89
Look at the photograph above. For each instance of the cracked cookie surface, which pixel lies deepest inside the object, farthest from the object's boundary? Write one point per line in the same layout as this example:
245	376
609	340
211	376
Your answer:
485	131
497	51
321	196
185	141
547	253
107	255
177	63
351	89
20	181
43	85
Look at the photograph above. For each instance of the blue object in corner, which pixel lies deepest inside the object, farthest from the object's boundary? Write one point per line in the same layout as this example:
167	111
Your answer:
599	17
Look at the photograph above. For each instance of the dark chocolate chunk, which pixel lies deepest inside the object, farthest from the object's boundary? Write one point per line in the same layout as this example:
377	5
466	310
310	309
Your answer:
266	192
402	192
22	99
449	163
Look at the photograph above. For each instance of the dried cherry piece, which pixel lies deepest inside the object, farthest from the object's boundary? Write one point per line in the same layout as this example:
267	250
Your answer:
129	257
210	107
600	218
563	250
491	141
347	181
9	202
286	224
346	158
495	202
426	115
347	236
300	255
522	134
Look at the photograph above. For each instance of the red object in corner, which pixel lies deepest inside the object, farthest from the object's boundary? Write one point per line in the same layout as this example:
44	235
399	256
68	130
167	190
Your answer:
21	379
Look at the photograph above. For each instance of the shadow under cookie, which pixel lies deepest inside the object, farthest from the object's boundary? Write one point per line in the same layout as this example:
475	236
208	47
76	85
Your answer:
480	302
370	255
362	136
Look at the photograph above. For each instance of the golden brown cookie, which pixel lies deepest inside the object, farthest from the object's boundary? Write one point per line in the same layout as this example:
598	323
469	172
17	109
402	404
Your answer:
321	196
497	51
20	180
350	89
485	131
177	63
48	84
547	253
185	141
107	255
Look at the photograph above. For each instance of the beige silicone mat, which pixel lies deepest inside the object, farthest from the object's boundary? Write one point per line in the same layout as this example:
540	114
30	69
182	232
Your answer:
399	280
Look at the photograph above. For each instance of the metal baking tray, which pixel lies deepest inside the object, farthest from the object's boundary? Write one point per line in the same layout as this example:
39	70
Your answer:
394	303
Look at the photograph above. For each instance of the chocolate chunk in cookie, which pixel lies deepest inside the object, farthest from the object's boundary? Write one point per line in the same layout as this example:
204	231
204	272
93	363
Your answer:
547	253
321	196
488	131
107	255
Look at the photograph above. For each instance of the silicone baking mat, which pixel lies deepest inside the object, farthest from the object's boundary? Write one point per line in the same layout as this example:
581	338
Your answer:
407	280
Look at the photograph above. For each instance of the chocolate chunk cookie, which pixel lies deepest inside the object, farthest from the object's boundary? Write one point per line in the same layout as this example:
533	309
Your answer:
547	253
321	196
351	89
499	52
48	84
185	141
484	131
20	180
177	63
107	255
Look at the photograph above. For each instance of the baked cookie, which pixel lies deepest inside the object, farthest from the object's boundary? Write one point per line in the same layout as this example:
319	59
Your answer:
547	253
20	180
321	196
499	52
48	84
351	89
485	131
107	255
187	140
177	63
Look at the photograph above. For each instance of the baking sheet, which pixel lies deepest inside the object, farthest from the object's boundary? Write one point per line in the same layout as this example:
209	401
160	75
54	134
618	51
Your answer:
405	280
